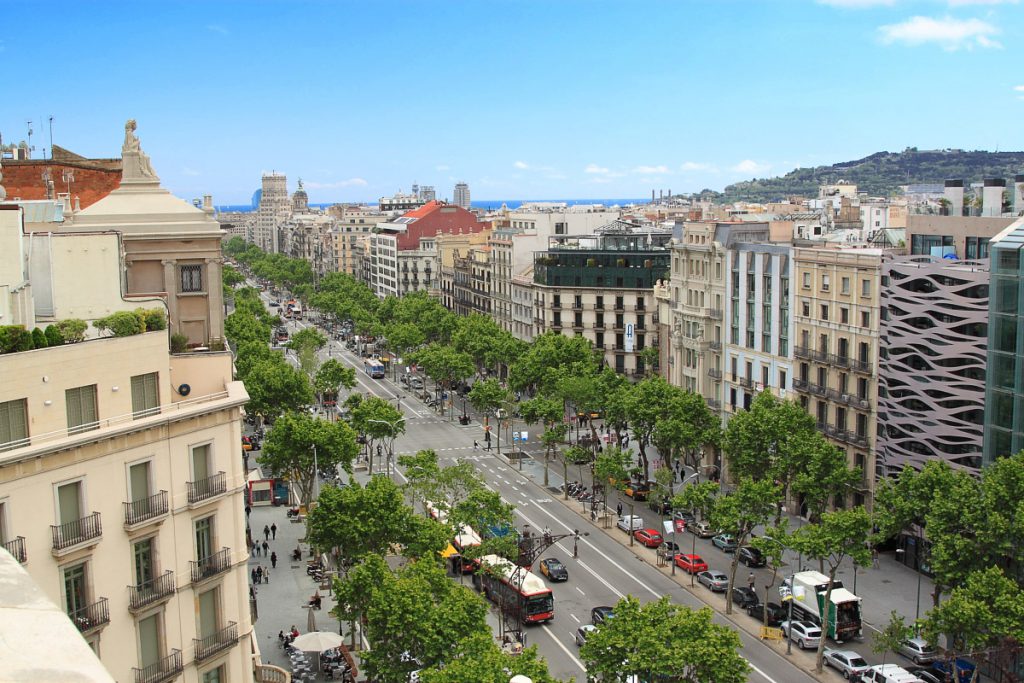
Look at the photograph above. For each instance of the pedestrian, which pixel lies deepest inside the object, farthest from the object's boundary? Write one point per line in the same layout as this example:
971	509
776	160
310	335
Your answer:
874	558
248	509
266	532
618	509
252	574
475	445
273	560
255	548
266	574
750	581
273	531
265	547
259	573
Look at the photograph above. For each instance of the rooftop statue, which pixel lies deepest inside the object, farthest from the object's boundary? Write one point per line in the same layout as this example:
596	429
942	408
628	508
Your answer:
136	162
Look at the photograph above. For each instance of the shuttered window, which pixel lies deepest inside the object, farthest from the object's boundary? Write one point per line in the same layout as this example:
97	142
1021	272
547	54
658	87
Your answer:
81	403
13	424
145	397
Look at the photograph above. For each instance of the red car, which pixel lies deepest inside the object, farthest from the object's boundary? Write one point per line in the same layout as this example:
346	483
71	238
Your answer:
649	537
691	564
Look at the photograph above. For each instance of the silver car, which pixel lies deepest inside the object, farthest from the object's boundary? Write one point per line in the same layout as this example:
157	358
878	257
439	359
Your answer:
846	662
919	650
583	632
804	633
714	579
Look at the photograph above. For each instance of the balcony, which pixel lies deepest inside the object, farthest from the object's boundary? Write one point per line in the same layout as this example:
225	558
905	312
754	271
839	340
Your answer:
16	547
91	617
204	489
818	390
800	385
160	671
215	564
715	313
145	510
715	346
76	533
221	640
746	382
840	361
802	352
861	366
713	373
714	404
149	592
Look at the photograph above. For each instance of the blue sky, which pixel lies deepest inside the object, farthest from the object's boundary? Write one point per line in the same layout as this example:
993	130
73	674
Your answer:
520	99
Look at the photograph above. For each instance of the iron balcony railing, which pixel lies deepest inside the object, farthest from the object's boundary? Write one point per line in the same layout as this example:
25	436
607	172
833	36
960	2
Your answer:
16	547
91	617
148	592
818	390
715	313
861	366
207	488
840	361
211	566
221	640
712	372
746	382
715	346
139	511
160	671
76	531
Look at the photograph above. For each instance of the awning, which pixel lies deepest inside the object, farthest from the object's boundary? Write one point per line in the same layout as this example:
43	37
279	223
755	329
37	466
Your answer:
449	551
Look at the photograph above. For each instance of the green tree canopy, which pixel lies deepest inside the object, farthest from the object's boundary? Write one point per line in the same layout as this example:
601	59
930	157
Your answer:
275	387
478	659
298	443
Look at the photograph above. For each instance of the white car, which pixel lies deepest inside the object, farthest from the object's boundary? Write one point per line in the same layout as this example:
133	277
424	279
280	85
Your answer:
583	632
846	662
805	634
630	523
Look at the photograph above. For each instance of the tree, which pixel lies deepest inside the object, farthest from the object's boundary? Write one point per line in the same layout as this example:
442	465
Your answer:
772	544
699	499
825	476
647	404
663	641
547	411
892	636
443	364
402	338
275	387
422	474
331	375
739	512
306	343
484	510
378	420
477	659
479	337
299	443
551	358
839	534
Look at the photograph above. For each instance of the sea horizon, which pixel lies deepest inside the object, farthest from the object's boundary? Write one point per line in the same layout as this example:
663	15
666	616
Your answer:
486	204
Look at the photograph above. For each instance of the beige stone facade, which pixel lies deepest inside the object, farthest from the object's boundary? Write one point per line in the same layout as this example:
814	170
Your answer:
836	348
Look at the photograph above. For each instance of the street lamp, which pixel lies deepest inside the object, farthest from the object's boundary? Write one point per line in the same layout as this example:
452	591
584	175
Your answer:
393	436
917	567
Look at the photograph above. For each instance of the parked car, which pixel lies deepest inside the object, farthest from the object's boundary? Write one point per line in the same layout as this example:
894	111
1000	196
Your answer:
751	556
715	580
964	667
776	613
662	507
691	564
669	550
724	542
600	614
805	634
637	490
630	523
415	382
554	569
889	673
745	597
929	675
701	529
649	537
918	650
846	662
583	632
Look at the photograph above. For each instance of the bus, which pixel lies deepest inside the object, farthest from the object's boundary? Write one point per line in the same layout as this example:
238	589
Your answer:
465	539
509	585
374	368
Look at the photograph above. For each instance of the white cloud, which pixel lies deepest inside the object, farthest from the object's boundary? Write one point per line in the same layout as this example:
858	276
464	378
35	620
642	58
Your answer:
694	166
949	33
856	4
351	182
594	168
651	169
189	171
1019	88
442	167
750	166
216	28
521	165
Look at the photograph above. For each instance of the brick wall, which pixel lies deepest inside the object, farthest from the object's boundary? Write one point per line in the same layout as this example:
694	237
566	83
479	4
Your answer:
94	179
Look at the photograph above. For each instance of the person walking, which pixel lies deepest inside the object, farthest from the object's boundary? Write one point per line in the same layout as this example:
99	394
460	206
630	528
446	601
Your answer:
273	560
266	574
874	558
259	573
265	547
252	574
751	581
266	532
475	445
273	531
618	509
255	548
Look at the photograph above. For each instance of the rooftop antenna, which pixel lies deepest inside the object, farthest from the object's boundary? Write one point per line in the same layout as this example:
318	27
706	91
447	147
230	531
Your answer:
30	147
51	136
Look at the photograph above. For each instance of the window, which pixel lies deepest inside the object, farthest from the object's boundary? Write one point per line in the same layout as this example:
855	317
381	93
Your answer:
138	481
618	341
599	304
640	322
782	379
865	287
805	308
13	424
557	322
844	315
191	278
81	408
556	301
824	311
145	570
807	280
204	538
577	301
76	590
599	340
201	465
577	320
618	303
845	285
865	318
619	324
219	675
145	396
764	376
69	502
600	320
150	650
826	280
209	612
639	303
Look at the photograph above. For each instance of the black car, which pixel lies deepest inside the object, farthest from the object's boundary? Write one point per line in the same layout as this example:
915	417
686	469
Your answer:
554	569
668	550
751	556
601	614
776	613
662	507
745	597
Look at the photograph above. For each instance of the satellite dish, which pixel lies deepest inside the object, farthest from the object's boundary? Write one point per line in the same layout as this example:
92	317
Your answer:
184	390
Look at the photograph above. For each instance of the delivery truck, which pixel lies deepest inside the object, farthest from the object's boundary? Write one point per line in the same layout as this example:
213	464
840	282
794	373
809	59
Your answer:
810	588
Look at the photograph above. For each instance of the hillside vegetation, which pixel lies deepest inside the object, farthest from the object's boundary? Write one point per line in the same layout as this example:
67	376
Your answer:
882	174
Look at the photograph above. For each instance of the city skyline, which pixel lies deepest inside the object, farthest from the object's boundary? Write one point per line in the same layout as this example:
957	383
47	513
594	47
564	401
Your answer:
519	100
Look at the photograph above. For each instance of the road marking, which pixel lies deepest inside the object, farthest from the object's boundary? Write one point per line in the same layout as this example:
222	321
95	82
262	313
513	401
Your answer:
573	657
576	618
581	593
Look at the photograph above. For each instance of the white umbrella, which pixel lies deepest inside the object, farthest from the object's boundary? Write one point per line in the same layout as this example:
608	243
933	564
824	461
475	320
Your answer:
317	641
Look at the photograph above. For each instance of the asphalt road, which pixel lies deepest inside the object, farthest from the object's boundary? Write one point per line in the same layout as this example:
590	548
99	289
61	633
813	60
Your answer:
606	570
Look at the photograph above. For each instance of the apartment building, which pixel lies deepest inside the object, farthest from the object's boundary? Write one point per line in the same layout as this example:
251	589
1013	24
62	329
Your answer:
310	237
274	207
932	360
120	472
465	272
691	303
352	222
837	313
602	287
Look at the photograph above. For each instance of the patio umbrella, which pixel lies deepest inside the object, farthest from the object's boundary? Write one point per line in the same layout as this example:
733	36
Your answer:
317	641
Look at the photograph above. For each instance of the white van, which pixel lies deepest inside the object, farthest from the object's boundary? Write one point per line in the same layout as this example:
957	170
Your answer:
889	673
630	523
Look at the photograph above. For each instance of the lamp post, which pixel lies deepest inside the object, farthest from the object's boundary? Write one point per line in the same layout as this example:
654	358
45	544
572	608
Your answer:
316	476
695	474
917	568
391	442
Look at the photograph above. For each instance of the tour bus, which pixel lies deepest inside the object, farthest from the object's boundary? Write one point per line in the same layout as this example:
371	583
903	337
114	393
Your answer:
512	587
374	368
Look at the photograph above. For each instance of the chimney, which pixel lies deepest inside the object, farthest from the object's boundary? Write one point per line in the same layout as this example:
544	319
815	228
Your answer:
992	197
954	192
1018	194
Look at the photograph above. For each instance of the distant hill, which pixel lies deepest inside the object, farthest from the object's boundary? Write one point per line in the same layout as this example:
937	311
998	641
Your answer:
881	174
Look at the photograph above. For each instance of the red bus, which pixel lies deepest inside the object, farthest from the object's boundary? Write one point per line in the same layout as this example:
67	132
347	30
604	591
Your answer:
466	538
509	585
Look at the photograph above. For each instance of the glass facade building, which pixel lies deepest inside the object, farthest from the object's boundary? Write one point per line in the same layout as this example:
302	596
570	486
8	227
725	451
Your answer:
1004	381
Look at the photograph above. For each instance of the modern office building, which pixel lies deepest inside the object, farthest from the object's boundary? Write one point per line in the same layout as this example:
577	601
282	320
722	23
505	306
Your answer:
274	207
461	196
931	367
1004	380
